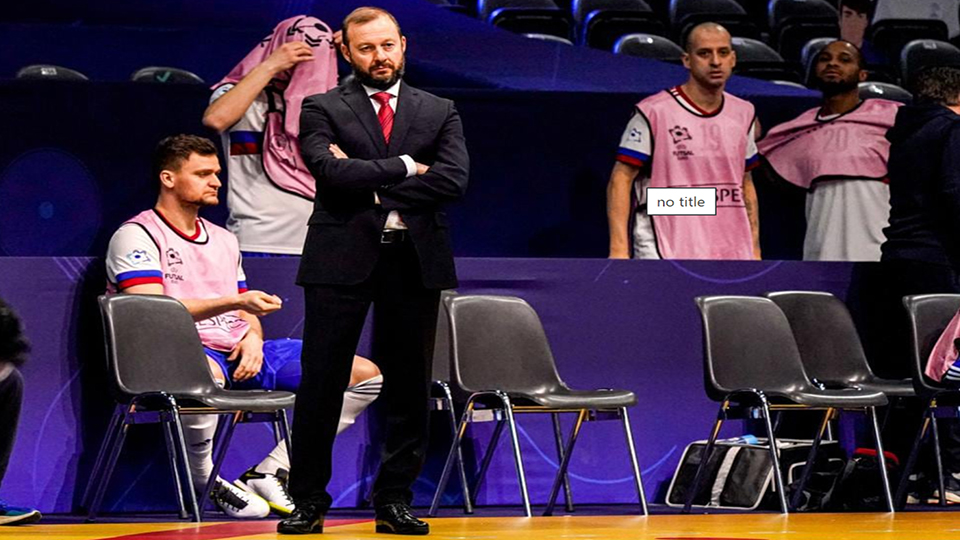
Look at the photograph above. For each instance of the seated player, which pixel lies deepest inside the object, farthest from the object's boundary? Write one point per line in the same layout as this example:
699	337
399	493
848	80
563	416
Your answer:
170	250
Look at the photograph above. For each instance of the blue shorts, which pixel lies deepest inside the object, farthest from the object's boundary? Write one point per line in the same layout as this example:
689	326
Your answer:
280	371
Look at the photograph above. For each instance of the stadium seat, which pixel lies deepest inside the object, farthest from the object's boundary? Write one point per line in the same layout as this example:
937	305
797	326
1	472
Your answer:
527	17
929	315
924	53
142	332
549	38
46	72
685	14
600	23
501	356
882	90
889	36
756	59
649	46
165	75
793	23
752	366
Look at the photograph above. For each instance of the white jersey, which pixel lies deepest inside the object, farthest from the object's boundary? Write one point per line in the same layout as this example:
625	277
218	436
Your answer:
264	217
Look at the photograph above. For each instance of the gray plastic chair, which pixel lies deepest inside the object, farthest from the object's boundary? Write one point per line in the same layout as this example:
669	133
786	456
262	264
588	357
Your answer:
921	54
47	72
829	345
649	46
165	75
158	372
751	364
928	314
882	90
501	356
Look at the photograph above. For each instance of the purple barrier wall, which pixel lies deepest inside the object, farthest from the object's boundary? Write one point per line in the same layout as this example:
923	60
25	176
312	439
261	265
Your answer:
627	324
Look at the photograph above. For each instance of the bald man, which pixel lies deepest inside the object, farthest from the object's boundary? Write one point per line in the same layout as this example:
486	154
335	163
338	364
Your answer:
838	153
692	135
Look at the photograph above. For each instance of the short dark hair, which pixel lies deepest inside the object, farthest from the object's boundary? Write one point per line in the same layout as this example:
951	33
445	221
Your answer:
171	152
860	6
13	345
939	85
363	15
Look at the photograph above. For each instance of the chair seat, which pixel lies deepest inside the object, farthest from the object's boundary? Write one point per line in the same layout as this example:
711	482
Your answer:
835	398
243	400
578	399
889	387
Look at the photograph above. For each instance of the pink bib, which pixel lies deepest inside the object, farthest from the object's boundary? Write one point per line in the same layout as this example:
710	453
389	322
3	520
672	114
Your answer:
200	270
944	353
691	150
850	145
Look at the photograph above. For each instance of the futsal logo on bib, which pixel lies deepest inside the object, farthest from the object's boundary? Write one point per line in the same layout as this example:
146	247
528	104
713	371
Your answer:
173	258
679	136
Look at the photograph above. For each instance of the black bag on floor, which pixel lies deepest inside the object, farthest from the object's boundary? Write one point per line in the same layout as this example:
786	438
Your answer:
739	474
859	488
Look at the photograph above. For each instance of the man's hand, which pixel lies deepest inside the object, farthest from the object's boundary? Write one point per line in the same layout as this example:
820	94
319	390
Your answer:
287	56
338	39
250	353
258	302
337	152
422	169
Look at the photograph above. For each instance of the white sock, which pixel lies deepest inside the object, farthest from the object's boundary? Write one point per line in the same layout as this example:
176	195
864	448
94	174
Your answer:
198	432
355	400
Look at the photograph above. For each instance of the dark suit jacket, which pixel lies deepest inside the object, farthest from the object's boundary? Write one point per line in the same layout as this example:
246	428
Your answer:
343	241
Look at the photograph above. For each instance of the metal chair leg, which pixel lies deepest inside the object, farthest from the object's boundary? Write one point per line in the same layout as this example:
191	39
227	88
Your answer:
901	497
166	425
633	460
811	460
872	411
185	460
461	467
283	428
112	428
109	465
705	456
488	458
564	463
558	438
451	455
515	439
938	458
775	458
221	443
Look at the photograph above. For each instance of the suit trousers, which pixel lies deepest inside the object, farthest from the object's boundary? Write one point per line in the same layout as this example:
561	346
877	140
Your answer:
404	319
11	396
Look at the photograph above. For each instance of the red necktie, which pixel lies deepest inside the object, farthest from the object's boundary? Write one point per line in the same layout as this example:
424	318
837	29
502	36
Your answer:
385	115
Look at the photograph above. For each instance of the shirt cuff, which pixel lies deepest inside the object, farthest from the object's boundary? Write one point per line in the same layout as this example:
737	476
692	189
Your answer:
411	165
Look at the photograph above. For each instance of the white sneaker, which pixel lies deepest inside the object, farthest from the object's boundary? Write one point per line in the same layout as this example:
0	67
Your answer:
238	503
272	488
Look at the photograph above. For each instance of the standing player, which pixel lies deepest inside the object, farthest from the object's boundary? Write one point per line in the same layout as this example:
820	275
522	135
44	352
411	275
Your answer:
256	107
838	152
170	250
692	135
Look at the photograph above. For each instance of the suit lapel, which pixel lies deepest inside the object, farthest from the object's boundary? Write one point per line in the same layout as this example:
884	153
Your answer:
408	105
356	98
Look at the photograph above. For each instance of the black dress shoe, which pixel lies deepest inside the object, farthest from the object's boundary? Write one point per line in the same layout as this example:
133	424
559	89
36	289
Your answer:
397	519
306	519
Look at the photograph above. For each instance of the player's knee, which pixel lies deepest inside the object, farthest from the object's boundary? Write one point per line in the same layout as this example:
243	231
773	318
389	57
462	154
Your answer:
363	369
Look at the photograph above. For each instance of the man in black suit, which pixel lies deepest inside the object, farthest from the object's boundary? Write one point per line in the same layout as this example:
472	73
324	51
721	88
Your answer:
386	157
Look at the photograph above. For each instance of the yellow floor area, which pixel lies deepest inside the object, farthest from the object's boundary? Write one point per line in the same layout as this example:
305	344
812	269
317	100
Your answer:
903	526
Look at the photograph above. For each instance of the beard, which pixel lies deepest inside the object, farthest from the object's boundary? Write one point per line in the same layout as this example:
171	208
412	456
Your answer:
835	88
367	79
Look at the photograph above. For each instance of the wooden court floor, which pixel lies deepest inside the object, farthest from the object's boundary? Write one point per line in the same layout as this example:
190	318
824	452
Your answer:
756	526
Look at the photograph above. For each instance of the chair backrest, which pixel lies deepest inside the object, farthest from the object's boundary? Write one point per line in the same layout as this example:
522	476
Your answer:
929	315
441	344
826	336
920	54
649	46
549	38
747	344
582	8
882	90
754	51
681	10
165	75
498	343
485	8
783	12
152	346
48	72
890	35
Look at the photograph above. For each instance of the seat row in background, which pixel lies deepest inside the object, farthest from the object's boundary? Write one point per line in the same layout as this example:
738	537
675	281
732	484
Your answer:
150	74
